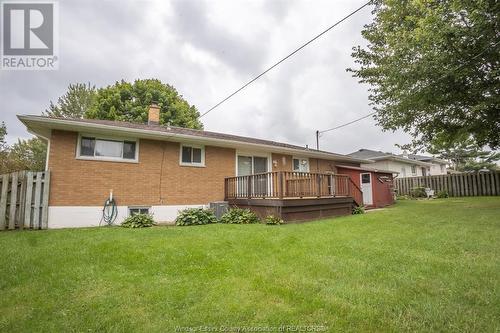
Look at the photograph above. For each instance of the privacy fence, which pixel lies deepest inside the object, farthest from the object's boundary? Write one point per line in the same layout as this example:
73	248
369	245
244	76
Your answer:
457	185
24	200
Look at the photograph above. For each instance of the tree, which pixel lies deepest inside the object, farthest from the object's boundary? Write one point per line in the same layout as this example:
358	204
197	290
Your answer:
433	69
74	103
3	148
130	102
23	155
28	155
465	155
3	134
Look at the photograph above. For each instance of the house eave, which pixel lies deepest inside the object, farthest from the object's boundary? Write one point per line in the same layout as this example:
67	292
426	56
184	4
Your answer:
41	126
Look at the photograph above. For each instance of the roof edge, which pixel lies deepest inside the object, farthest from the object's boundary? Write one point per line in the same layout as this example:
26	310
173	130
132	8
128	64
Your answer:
30	121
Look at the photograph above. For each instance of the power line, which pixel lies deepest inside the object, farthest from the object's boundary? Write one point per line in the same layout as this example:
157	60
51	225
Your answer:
349	123
286	57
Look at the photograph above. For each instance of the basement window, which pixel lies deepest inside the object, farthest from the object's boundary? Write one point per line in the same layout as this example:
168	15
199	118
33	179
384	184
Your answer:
90	147
138	210
192	155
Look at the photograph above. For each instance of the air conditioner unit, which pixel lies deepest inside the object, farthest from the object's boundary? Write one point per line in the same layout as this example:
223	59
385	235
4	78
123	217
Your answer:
219	208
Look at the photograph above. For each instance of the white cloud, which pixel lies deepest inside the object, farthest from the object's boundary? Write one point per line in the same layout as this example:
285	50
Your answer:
207	50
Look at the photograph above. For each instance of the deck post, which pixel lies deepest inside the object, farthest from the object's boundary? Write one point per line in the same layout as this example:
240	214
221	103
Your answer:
281	184
249	187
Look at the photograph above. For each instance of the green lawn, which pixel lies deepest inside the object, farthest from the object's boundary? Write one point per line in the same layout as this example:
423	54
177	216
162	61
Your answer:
417	266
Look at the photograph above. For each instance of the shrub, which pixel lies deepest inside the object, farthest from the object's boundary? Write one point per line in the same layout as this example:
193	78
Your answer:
418	192
358	210
402	197
138	221
239	216
195	216
273	220
443	194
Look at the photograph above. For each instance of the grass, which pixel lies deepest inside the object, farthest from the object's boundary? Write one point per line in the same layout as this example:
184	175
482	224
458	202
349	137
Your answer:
418	266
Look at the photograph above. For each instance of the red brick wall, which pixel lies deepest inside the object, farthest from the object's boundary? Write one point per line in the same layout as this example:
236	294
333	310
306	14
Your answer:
87	183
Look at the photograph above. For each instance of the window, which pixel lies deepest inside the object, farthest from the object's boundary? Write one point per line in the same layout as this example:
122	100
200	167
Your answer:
107	149
301	164
443	168
365	178
192	155
250	165
403	172
414	170
138	210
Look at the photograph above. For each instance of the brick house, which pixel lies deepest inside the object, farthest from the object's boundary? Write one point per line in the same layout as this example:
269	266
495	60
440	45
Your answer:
161	170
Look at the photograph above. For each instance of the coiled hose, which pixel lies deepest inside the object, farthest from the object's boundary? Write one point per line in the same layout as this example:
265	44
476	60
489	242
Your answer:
109	212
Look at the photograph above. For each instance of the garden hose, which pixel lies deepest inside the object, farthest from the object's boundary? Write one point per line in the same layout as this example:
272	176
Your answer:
109	212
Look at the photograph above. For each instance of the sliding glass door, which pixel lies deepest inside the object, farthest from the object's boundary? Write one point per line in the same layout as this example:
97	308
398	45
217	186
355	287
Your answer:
253	165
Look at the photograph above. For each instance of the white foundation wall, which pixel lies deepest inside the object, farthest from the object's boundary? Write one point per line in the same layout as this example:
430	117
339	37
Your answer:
90	216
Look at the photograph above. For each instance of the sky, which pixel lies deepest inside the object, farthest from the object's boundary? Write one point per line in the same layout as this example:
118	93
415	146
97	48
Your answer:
208	49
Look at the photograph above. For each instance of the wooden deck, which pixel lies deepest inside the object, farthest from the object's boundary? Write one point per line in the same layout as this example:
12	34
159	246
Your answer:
294	196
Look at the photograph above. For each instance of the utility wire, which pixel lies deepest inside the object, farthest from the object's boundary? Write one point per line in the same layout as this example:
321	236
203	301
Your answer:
286	57
438	79
349	123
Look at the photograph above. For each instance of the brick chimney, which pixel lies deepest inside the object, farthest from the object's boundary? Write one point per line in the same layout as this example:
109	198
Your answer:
154	114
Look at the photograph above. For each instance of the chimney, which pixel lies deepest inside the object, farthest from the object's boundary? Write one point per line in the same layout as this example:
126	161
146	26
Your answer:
154	114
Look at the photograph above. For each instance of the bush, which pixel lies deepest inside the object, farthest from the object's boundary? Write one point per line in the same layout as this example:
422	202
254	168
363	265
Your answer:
402	197
358	210
273	220
239	216
195	216
443	194
138	221
418	192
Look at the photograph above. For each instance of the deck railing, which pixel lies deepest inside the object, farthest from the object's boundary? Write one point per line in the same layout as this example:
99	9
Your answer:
290	184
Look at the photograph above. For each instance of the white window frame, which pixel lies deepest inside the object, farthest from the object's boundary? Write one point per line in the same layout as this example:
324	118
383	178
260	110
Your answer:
301	158
192	164
106	158
414	170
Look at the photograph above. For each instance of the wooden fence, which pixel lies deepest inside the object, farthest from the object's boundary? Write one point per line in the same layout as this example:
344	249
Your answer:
457	185
24	200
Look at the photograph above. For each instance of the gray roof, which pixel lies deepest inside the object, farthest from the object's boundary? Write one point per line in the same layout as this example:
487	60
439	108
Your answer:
424	158
379	155
367	154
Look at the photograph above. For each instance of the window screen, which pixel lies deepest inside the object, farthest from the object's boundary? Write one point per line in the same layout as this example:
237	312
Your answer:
196	155
186	154
129	150
87	146
191	155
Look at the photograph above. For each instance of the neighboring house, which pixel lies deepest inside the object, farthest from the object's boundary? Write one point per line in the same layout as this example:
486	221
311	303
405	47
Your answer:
405	165
161	170
438	166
